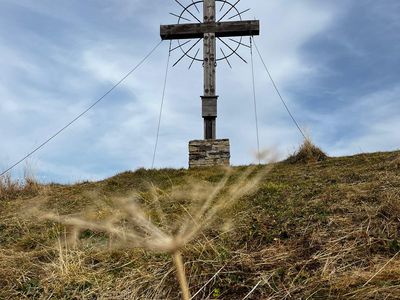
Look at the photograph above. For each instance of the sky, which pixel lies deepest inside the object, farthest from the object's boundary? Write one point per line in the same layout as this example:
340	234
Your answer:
336	64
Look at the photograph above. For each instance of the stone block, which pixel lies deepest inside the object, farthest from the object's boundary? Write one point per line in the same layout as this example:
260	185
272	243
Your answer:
209	153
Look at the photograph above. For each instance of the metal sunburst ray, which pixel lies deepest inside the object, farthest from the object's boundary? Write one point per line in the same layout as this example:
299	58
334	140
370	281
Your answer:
233	50
226	57
239	14
194	58
228	11
186	9
195	5
186	52
239	43
180	17
180	45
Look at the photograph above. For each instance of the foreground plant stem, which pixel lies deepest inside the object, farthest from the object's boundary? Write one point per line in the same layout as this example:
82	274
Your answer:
180	268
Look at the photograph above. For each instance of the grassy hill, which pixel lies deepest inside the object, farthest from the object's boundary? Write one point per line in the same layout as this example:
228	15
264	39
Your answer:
322	230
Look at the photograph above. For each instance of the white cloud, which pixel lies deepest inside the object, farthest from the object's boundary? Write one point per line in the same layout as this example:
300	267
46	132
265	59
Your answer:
375	117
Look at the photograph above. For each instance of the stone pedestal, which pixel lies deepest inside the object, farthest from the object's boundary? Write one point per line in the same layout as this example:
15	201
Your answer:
209	153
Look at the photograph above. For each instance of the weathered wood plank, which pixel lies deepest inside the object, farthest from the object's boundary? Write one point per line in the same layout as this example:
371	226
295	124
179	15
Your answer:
209	99
221	29
209	106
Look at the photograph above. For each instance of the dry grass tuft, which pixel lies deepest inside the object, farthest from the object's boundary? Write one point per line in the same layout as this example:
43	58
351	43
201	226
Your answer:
307	153
390	206
395	163
12	189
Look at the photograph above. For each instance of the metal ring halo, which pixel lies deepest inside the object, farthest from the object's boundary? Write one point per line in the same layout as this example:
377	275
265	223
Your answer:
218	59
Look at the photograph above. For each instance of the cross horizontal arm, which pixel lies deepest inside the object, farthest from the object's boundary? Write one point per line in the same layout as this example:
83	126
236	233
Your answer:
221	29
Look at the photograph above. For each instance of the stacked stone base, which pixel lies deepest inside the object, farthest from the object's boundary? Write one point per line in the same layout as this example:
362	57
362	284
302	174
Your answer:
209	153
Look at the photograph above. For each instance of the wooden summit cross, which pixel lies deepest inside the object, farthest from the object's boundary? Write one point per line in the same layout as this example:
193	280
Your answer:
209	31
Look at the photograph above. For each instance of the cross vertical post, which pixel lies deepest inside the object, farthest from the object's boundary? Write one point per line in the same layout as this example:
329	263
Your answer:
209	100
210	151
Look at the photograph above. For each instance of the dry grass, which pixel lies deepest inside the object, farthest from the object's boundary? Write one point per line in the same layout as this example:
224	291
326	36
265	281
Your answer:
12	189
132	227
327	230
307	153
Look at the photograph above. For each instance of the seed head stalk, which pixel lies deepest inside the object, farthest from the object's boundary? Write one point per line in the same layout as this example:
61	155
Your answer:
180	268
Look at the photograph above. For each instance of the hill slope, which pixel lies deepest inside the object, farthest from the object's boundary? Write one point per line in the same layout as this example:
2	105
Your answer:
328	230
